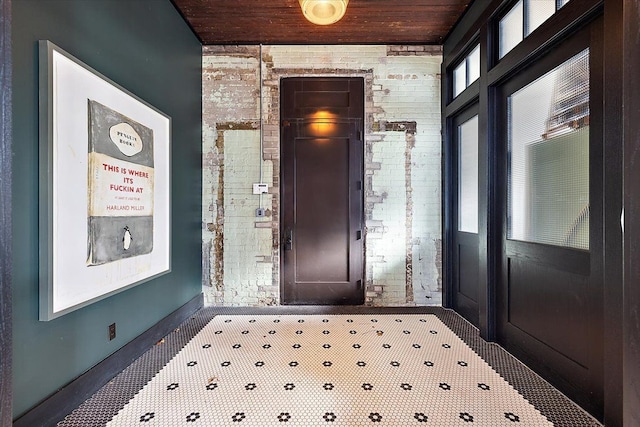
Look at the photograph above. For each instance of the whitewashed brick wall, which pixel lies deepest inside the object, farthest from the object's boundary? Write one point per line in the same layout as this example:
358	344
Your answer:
244	244
402	168
386	247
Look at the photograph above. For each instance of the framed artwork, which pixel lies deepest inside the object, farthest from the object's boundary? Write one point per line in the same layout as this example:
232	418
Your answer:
105	179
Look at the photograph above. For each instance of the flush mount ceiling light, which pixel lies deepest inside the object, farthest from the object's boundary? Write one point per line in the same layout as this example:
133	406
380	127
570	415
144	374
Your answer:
323	12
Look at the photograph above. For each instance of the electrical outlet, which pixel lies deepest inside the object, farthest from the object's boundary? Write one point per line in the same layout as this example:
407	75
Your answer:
260	212
112	331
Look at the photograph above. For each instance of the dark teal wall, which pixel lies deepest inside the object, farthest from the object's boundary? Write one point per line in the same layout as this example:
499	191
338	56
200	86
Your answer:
145	46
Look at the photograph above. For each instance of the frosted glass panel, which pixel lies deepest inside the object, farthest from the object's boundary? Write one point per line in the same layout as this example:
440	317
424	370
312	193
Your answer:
468	176
539	11
511	29
467	72
473	65
548	187
459	79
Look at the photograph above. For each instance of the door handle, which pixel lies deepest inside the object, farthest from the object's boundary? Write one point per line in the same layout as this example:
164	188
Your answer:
288	239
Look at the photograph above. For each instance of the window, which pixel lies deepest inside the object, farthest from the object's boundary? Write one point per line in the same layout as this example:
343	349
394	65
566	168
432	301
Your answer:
511	29
522	19
539	11
548	140
468	176
467	72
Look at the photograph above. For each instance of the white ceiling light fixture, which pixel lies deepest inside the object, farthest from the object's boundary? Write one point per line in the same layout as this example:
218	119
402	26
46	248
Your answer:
323	12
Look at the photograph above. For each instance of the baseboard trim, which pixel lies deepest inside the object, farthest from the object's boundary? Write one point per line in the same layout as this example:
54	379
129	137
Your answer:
53	409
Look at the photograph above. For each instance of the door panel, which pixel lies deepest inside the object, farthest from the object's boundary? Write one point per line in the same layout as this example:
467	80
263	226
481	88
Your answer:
560	322
333	96
465	215
550	293
321	192
321	209
468	269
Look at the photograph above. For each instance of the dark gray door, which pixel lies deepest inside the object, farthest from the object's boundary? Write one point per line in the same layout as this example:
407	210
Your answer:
465	215
550	312
322	191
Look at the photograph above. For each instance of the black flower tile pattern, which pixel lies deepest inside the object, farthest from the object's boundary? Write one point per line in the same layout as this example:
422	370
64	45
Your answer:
327	370
422	418
284	417
147	417
193	417
238	417
375	417
101	408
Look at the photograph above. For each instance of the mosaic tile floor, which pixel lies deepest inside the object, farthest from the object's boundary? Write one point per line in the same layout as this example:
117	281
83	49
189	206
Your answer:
102	407
327	370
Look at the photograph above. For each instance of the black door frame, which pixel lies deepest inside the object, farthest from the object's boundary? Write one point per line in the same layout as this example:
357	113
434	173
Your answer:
471	308
621	66
631	137
6	391
578	263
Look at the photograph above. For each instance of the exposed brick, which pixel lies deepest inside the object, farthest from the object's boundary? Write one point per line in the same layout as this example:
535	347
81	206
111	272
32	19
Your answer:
402	175
415	50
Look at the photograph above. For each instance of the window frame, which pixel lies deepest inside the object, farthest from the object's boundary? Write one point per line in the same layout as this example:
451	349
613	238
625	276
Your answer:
525	24
464	59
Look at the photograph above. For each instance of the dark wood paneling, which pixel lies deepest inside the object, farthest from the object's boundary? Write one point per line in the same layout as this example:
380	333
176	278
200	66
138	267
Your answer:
477	22
449	192
550	305
330	100
574	261
5	214
56	407
613	295
329	95
462	250
468	269
322	209
631	101
550	298
282	22
489	162
466	295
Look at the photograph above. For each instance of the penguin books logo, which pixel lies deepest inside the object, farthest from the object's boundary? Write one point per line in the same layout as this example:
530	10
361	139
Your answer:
125	137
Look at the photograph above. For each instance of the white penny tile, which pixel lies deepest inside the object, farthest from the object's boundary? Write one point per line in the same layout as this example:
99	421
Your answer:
327	370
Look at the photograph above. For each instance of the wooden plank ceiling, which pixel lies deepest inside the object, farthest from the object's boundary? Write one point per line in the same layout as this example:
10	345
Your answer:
224	22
